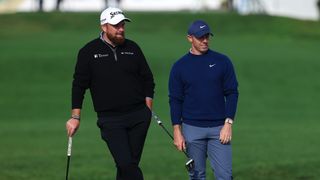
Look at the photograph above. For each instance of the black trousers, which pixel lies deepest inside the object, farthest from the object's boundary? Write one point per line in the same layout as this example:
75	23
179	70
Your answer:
125	136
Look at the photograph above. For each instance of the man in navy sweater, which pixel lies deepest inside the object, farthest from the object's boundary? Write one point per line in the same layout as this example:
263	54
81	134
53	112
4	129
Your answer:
203	95
121	86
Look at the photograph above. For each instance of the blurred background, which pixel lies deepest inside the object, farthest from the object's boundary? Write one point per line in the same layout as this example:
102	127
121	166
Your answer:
274	46
306	9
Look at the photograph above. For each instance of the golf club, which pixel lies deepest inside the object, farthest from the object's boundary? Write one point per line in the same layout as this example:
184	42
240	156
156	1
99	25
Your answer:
190	163
68	156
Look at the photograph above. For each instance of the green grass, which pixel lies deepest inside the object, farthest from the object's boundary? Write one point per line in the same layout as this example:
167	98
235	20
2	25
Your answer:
277	124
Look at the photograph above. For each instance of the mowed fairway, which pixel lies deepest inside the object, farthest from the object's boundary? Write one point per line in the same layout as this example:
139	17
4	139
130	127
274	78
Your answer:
276	133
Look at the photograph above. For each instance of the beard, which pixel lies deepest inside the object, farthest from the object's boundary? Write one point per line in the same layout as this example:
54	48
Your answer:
117	39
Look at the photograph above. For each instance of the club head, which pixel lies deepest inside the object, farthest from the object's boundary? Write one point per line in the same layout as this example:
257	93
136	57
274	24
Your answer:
190	164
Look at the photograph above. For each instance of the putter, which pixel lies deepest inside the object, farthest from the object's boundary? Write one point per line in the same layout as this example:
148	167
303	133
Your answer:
68	156
190	163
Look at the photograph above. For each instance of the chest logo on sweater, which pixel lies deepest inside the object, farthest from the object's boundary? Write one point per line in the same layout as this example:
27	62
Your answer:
211	65
127	53
96	56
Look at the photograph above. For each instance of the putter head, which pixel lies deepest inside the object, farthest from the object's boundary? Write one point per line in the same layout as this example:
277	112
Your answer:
190	164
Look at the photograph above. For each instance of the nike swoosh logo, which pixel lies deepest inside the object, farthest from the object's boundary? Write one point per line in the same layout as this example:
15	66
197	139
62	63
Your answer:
202	26
211	65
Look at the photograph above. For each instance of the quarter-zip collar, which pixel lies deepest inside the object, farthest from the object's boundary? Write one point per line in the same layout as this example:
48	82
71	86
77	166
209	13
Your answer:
113	48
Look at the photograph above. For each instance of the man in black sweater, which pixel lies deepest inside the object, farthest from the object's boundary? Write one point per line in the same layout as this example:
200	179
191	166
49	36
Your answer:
121	86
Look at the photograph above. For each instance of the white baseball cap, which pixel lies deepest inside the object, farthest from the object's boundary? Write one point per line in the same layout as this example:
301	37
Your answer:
112	16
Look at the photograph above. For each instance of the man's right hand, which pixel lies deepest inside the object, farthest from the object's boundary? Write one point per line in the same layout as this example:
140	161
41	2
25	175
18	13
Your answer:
179	141
72	125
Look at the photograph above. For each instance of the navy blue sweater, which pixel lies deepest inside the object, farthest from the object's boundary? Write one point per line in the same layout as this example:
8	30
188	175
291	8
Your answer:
203	89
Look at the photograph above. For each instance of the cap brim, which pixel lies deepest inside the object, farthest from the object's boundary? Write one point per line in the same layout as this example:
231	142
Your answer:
200	34
116	21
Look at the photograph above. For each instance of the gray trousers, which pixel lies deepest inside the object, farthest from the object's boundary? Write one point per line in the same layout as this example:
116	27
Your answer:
203	142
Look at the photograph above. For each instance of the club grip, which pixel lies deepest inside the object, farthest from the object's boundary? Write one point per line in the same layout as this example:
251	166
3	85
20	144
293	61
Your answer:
69	146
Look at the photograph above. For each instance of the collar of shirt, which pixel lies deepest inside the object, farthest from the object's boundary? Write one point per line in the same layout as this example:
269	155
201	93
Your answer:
103	40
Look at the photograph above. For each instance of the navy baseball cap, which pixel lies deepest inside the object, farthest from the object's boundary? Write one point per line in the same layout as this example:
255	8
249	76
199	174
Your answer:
199	28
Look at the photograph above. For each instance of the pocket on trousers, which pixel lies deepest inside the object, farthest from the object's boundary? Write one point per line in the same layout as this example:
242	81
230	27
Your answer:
149	111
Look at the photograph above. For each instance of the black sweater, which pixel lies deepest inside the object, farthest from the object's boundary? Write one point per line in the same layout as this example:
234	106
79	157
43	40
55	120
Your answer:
119	78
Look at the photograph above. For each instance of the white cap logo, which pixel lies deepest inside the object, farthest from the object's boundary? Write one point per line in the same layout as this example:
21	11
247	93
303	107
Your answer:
112	14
